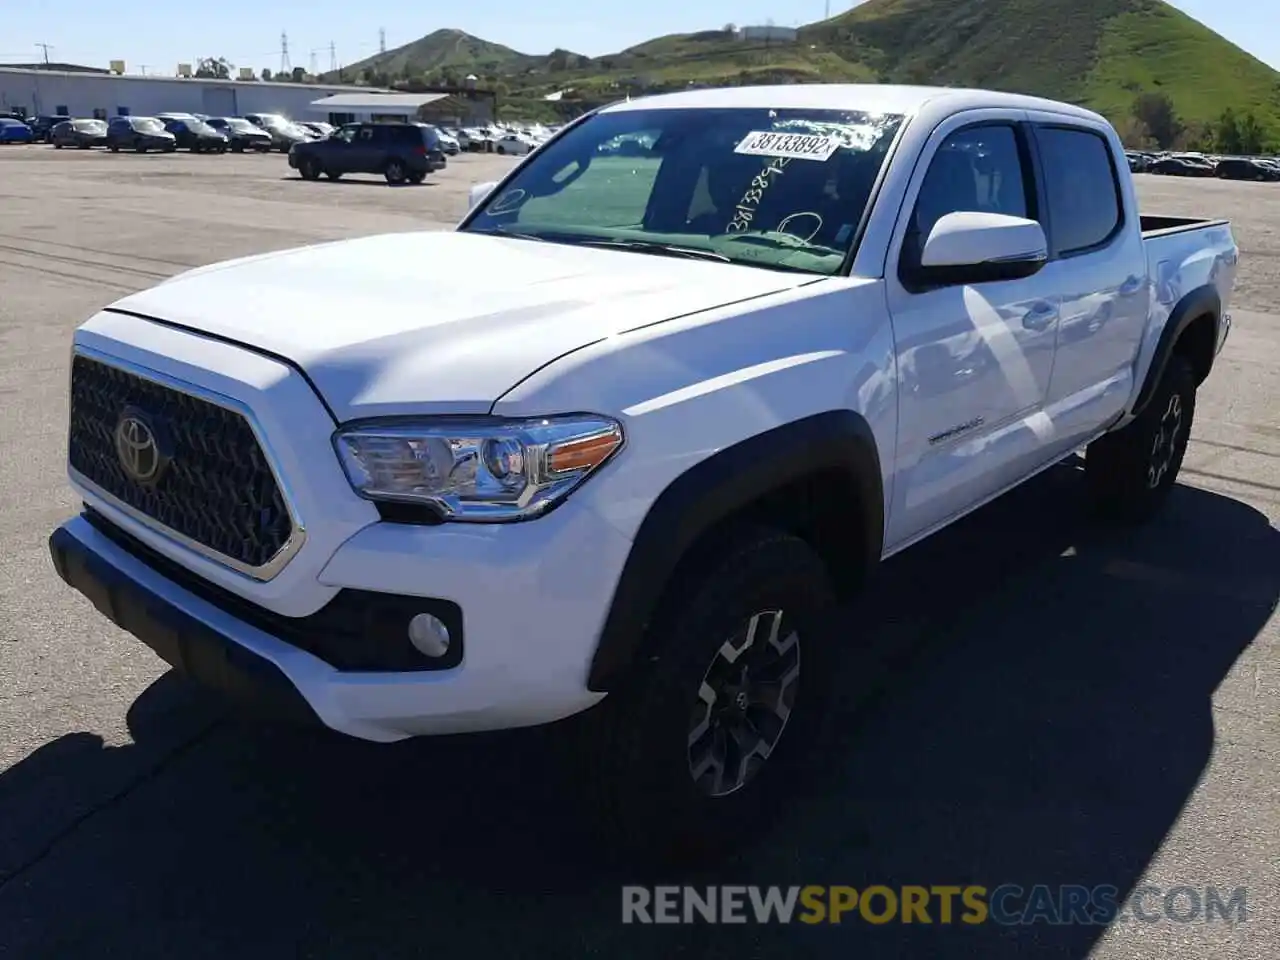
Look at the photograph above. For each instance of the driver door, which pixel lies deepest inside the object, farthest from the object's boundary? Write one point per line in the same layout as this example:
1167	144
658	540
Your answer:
974	361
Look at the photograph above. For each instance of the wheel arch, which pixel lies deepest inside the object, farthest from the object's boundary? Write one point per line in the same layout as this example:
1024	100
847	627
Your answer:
1191	332
819	477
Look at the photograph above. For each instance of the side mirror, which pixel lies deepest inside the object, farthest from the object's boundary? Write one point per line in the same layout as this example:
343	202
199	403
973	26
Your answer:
478	193
973	247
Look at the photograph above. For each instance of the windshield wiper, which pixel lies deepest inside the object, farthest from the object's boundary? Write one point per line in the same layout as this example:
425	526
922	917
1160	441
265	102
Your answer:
641	246
657	247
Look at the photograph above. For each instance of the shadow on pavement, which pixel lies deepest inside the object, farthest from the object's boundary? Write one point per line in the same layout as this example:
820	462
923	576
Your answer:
1039	715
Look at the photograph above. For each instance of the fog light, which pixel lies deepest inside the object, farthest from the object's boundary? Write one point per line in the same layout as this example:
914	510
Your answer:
429	636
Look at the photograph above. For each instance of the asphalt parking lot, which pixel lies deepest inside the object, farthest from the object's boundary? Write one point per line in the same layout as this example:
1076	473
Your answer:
1056	704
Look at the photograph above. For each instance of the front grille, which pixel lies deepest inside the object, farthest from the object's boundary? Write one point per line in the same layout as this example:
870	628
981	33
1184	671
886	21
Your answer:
216	488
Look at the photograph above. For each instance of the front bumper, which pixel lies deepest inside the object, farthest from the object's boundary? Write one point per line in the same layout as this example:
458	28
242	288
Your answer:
533	597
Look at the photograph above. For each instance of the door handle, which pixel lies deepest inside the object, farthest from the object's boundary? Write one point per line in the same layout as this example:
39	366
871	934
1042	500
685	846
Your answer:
1040	317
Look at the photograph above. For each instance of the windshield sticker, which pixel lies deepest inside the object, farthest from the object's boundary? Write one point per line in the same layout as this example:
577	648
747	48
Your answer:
793	146
746	208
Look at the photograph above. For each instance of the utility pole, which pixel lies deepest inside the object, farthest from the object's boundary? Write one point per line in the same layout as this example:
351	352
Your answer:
143	68
333	57
312	66
382	40
46	48
285	66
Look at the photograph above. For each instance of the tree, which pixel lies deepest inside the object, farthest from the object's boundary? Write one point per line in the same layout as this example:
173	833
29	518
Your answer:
1252	136
266	75
1135	134
214	68
1156	111
1226	133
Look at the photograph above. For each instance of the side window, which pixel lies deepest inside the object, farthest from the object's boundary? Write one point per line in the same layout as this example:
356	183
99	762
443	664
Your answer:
1084	194
366	135
976	170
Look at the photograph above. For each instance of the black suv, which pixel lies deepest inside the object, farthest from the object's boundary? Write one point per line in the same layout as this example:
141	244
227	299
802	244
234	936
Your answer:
196	136
401	152
140	134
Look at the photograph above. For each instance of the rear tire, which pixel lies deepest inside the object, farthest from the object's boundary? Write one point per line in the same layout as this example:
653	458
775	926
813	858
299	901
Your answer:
669	776
333	175
395	172
57	146
417	177
1130	472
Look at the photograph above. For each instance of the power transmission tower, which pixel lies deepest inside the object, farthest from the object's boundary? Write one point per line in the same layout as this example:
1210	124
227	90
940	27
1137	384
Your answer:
333	57
382	40
827	14
46	48
285	66
312	69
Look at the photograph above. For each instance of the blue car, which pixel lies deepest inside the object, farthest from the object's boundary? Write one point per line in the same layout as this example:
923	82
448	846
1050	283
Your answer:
15	131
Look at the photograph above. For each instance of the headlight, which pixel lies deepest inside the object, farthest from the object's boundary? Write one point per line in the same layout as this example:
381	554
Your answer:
477	469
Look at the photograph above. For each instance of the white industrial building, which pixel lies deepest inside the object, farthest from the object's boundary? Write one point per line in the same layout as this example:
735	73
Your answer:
103	95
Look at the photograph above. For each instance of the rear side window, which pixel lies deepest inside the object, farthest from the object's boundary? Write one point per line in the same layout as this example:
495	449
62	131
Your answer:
1084	193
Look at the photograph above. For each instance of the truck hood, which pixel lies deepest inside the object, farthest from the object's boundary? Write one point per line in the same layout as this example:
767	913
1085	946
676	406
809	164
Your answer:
439	322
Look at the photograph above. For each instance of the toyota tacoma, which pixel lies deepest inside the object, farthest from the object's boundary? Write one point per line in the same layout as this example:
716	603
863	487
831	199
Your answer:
619	443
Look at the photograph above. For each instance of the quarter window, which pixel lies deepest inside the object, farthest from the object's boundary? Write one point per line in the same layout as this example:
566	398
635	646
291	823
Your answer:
1084	194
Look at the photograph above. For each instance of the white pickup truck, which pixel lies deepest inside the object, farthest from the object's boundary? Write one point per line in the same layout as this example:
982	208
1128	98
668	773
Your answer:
617	444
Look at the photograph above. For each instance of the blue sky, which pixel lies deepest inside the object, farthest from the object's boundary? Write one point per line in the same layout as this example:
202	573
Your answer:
156	36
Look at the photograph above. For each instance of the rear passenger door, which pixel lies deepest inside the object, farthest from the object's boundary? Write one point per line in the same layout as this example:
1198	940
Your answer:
1099	264
974	361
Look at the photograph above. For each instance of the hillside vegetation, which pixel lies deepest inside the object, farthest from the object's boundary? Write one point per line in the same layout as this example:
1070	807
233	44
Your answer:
1100	53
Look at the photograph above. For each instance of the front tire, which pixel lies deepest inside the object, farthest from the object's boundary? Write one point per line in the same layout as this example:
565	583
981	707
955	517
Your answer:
694	755
1130	472
310	169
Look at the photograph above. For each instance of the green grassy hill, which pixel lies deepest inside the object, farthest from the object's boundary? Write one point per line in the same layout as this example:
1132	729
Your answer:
1101	53
444	50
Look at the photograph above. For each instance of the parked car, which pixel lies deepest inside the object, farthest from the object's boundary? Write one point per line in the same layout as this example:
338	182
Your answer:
284	132
42	126
15	131
448	142
1183	167
633	473
196	135
399	151
81	134
317	128
241	134
514	143
1247	168
139	134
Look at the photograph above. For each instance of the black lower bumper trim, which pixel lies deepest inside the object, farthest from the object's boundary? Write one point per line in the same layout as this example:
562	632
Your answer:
193	647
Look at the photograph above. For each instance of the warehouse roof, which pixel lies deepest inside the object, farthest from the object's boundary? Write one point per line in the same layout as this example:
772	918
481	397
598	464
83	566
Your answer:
373	100
154	78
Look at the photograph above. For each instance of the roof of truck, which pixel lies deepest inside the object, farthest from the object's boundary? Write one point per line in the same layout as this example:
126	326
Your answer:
866	97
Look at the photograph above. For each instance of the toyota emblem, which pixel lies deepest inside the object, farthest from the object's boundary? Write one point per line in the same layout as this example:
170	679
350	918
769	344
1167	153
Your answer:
138	448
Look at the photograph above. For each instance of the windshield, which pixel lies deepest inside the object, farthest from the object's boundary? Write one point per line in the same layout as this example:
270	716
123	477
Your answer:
199	127
90	126
784	189
148	125
241	126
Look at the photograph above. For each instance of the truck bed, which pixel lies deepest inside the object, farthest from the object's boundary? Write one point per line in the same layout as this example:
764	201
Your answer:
1159	226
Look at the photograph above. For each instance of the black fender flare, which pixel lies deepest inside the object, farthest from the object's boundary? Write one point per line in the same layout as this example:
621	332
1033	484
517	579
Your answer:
1194	305
719	487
